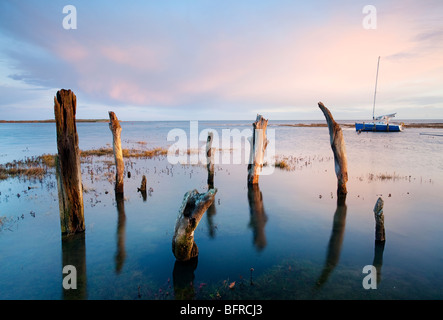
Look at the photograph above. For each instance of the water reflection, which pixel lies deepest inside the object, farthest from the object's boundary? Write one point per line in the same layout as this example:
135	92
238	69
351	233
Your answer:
258	216
121	233
335	241
379	247
183	279
211	210
74	254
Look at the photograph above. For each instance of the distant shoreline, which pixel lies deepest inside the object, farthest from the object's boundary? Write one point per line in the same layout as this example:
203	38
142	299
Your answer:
434	125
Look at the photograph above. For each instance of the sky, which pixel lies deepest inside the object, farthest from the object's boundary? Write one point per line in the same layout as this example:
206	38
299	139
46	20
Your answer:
222	59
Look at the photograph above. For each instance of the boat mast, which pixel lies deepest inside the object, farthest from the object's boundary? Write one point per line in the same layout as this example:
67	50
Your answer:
375	92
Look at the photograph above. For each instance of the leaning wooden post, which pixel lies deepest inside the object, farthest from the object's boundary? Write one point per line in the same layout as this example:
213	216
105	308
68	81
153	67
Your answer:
116	129
338	148
379	220
69	178
258	144
193	207
210	160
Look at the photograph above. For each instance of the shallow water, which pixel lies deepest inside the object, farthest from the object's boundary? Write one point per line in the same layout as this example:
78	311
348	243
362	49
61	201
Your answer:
126	253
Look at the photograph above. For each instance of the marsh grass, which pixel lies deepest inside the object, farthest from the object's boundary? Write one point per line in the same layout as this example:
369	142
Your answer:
32	167
38	167
387	177
127	153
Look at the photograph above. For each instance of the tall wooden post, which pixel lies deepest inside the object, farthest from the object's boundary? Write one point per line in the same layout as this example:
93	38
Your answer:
116	129
339	150
379	220
193	207
210	160
258	144
69	179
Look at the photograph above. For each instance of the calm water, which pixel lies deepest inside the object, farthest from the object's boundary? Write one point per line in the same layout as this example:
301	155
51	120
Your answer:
125	252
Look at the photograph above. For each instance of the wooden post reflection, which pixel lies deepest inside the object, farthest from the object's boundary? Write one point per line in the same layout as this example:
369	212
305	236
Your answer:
74	254
379	247
335	241
258	216
183	278
121	233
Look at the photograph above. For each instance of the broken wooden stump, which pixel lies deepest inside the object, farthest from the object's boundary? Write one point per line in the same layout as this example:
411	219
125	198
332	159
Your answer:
379	220
114	126
142	188
193	207
258	143
69	179
142	185
210	160
339	150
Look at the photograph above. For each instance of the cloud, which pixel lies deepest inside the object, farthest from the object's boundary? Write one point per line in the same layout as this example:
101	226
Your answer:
223	57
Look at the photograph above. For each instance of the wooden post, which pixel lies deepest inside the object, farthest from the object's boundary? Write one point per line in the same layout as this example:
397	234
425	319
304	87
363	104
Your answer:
142	188
114	126
69	179
339	150
379	220
210	160
210	155
193	207
258	144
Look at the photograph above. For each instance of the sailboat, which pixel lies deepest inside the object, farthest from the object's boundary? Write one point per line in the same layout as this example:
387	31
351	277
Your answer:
382	124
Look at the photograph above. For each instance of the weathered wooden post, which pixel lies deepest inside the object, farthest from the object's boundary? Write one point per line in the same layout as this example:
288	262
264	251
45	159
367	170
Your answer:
193	207
338	148
210	160
258	144
116	129
142	188
379	220
380	237
69	179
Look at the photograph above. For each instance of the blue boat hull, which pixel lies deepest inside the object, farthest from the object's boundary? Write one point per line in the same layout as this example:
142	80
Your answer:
382	127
